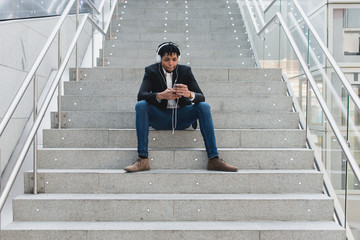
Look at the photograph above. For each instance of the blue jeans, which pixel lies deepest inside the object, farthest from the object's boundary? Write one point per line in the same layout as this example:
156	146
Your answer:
149	115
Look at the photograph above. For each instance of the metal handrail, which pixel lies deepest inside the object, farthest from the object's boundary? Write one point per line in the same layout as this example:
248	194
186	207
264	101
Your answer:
343	144
44	107
262	5
109	18
327	112
331	120
97	10
318	95
330	58
91	4
15	102
252	16
101	6
327	53
270	5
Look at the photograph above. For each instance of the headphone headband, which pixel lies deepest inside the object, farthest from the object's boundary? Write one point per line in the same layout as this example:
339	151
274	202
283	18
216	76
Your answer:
158	57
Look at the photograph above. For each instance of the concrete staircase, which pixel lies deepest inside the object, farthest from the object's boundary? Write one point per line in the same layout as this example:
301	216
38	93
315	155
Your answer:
85	194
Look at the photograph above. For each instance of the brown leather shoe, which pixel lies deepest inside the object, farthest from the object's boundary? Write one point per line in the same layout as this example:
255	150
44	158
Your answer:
142	164
218	164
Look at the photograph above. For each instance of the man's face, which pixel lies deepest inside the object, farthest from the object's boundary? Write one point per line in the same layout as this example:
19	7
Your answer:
169	62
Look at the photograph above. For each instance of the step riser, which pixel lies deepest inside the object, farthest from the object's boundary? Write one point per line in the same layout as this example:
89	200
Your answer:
181	37
172	210
209	89
173	8
126	120
195	45
201	75
182	16
197	3
177	23
188	56
177	29
197	159
165	183
213	54
159	7
181	33
72	138
173	234
218	104
198	63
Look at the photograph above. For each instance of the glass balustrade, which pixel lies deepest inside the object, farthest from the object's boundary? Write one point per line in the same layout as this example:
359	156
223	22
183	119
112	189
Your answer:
274	50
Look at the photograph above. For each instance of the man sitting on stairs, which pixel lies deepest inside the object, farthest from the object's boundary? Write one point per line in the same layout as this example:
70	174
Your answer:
170	98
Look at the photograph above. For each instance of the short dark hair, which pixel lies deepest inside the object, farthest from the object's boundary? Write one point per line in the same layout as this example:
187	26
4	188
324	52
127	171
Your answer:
169	48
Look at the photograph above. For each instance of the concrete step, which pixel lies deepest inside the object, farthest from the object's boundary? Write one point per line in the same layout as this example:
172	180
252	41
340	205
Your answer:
177	23
156	6
263	104
210	230
201	74
193	62
212	53
173	207
184	16
119	158
167	181
124	138
196	2
108	88
189	30
168	9
174	37
126	120
183	44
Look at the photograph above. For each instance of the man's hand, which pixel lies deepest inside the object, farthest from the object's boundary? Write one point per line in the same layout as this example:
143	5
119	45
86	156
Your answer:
182	90
168	94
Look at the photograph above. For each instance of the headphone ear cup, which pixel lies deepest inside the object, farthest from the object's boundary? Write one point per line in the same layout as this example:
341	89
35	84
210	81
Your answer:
158	58
179	58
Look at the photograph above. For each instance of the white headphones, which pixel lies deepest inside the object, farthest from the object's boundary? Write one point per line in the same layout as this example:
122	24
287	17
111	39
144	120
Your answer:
158	56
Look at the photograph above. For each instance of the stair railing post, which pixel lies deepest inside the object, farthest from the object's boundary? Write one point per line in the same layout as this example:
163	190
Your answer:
307	86
117	10
76	48
35	102
103	38
110	24
60	83
92	41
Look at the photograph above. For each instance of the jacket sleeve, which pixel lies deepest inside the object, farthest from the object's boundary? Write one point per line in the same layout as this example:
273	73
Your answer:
194	87
145	91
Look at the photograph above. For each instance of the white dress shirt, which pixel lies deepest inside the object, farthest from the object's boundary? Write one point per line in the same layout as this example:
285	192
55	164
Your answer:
171	103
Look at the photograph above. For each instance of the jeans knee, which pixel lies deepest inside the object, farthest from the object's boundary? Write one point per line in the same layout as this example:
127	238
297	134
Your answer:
203	106
141	106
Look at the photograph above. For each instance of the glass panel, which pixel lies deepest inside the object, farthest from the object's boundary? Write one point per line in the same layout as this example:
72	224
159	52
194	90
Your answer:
271	48
276	7
15	9
252	31
353	204
354	140
320	134
277	52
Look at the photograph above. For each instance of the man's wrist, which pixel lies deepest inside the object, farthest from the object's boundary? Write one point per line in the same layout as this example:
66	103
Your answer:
158	96
192	95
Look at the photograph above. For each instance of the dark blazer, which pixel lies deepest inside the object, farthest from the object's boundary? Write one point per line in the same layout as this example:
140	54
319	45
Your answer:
154	81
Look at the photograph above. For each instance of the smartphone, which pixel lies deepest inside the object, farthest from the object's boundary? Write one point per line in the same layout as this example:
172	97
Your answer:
174	87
